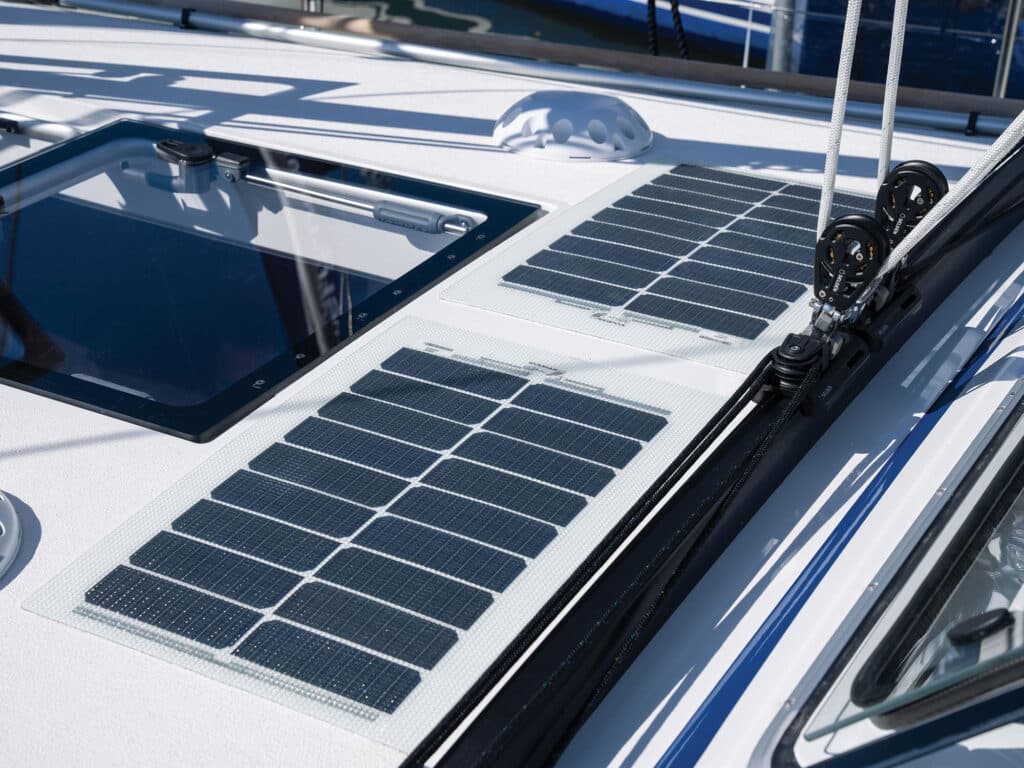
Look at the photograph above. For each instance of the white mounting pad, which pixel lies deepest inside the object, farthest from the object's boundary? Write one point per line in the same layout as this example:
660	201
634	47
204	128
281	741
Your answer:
686	410
483	287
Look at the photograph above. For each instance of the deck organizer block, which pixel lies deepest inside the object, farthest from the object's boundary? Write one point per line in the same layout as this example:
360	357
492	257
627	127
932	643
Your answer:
365	554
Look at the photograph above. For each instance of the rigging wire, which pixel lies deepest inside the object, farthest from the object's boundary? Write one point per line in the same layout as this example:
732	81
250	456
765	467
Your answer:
892	82
835	129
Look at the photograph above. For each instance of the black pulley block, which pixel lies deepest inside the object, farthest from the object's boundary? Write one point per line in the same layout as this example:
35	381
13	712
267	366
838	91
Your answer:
849	254
909	191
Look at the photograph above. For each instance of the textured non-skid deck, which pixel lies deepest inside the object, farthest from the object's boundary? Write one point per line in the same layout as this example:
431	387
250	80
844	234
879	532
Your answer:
366	556
697	262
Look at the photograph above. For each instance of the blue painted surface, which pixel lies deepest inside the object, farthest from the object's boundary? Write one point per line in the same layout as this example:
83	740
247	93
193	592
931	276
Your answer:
694	739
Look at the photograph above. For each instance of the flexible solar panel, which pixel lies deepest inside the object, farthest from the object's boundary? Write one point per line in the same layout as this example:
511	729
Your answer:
695	262
366	556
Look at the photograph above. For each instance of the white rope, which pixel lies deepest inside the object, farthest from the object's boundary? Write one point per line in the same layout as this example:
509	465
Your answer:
835	128
892	83
995	154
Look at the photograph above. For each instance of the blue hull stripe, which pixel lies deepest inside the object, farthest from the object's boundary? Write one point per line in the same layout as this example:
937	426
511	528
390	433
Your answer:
690	744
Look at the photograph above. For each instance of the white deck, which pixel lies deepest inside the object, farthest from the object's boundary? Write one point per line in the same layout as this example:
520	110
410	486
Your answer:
69	698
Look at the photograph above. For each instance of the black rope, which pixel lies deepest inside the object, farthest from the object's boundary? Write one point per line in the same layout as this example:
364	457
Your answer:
652	27
736	484
677	25
711	431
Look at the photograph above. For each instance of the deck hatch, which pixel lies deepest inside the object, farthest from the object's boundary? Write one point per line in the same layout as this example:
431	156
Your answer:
333	560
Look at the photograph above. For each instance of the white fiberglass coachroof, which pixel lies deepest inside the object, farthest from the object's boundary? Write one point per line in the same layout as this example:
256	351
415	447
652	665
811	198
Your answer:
77	476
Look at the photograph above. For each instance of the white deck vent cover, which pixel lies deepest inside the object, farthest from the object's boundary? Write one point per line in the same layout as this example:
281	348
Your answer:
565	125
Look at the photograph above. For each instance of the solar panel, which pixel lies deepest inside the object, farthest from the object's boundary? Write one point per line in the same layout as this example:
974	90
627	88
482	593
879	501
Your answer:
362	557
696	262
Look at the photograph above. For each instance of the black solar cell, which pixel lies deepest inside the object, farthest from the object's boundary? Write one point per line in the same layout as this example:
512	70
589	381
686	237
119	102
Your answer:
673	194
428	398
474	520
568	285
452	373
172	607
738	280
531	498
698	316
292	504
225	573
369	623
536	462
339	478
619	254
254	535
711	218
773	231
726	191
455	556
361	447
749	262
644	222
400	423
592	269
407	586
333	666
591	411
637	238
724	298
798	254
727	177
564	436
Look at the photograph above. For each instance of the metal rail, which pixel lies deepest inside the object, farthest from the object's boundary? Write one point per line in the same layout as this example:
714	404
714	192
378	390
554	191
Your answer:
352	43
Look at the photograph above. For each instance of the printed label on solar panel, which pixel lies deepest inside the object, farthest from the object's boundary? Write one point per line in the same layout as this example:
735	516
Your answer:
700	263
367	551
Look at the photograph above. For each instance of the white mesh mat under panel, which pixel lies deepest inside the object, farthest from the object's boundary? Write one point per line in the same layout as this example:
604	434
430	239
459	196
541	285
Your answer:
370	548
710	265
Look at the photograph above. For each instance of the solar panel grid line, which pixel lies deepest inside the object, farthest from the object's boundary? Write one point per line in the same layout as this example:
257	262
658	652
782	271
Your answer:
570	286
362	621
536	463
663	225
414	588
473	519
710	188
719	176
394	421
424	397
453	373
689	199
613	252
716	297
558	434
499	488
736	279
435	527
591	411
211	569
592	269
305	655
764	247
735	259
253	535
673	211
292	504
698	316
362	448
779	233
635	238
453	555
173	608
326	474
291	524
